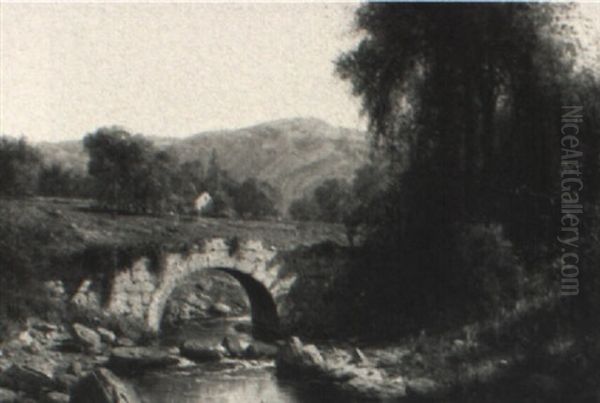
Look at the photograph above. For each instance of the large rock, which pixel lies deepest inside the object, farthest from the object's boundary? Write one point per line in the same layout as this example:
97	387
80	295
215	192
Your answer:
259	349
198	351
296	358
312	356
86	299
65	382
87	337
359	358
186	307
291	352
106	335
129	360
220	309
235	346
102	386
28	379
8	396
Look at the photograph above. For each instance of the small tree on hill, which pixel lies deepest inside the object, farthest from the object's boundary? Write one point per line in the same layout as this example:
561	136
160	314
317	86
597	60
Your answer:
20	164
121	166
252	200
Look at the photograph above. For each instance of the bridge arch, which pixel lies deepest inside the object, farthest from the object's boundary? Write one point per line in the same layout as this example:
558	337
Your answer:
141	293
265	319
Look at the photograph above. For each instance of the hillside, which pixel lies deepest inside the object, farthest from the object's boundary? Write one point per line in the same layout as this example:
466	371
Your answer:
293	155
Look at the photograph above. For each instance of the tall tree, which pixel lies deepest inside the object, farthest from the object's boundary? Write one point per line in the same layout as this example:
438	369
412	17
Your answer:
464	103
118	164
251	200
448	89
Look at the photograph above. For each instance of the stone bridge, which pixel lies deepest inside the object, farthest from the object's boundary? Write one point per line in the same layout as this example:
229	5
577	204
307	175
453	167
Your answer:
140	292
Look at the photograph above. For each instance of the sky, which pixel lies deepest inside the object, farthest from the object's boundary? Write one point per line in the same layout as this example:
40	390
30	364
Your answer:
176	69
170	69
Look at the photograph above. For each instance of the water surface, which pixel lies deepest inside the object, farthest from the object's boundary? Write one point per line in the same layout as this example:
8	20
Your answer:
228	381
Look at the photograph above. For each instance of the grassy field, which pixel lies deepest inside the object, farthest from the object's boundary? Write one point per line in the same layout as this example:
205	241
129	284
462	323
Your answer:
63	226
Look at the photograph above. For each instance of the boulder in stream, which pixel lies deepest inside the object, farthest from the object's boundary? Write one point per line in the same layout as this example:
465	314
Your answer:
258	349
87	337
8	396
106	335
198	350
28	379
234	346
102	386
129	360
220	309
297	358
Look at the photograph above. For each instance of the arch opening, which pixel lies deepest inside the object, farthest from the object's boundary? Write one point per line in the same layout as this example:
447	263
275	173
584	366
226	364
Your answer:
263	310
265	320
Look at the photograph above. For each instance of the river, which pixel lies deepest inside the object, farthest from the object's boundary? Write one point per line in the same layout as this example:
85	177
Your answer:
228	381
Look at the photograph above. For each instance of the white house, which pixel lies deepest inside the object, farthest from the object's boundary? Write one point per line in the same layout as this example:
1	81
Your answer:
203	202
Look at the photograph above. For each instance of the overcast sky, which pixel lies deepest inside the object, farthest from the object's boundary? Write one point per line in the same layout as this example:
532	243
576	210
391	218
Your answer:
170	69
173	69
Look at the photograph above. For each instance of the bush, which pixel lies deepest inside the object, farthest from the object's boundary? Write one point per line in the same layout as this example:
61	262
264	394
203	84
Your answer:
19	167
486	270
22	293
465	272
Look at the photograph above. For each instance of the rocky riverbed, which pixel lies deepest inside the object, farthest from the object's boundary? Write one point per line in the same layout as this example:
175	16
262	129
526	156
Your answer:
61	363
58	363
49	362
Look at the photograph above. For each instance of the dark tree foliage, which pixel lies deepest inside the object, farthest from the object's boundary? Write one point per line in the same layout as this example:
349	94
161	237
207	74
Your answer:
117	163
369	201
20	164
131	175
57	181
332	198
304	209
220	186
329	202
464	103
464	98
190	179
251	200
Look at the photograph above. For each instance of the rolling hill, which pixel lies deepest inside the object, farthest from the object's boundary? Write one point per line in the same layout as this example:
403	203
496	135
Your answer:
293	155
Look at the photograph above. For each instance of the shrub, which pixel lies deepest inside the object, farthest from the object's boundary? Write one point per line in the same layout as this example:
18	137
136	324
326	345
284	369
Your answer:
486	270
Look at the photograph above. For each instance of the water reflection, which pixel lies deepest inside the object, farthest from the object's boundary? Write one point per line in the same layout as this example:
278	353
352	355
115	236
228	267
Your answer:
205	385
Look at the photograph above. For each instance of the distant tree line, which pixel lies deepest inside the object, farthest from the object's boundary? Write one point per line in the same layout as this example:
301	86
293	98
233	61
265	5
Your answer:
127	173
356	204
23	173
130	174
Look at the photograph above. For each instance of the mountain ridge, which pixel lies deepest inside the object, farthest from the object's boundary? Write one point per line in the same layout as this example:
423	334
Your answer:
293	155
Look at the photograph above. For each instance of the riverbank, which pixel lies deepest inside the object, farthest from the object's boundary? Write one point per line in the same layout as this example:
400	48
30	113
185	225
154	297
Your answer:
49	362
522	356
489	362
